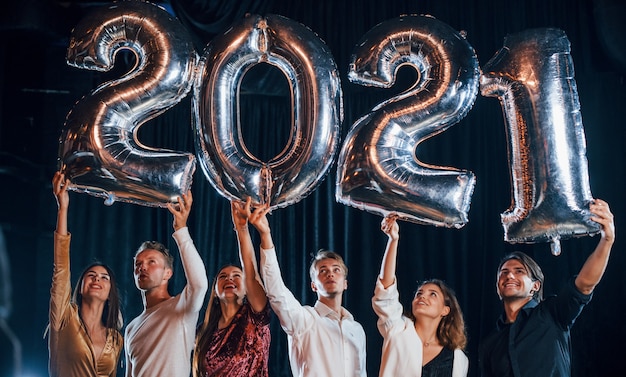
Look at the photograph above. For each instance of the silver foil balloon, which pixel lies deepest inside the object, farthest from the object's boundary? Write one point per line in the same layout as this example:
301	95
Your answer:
99	151
378	170
532	75
316	95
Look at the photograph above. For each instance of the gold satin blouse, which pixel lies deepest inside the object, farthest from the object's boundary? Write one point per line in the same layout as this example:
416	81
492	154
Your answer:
70	348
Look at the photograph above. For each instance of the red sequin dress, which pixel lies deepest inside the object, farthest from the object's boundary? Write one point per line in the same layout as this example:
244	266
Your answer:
242	348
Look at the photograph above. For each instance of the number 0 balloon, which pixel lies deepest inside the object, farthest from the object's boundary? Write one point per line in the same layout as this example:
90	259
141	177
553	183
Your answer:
317	111
99	151
377	168
533	77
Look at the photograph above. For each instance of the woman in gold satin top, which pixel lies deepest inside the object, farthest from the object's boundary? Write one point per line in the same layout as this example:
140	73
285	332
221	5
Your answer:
84	337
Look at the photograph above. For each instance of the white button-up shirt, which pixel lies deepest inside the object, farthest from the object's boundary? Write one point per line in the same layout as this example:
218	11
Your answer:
322	342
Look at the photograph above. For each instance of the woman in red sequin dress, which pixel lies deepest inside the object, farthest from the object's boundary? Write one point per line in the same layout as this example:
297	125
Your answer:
234	339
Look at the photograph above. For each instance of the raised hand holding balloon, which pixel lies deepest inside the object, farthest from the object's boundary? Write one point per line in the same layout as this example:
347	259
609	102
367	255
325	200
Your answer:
315	85
533	77
377	168
99	151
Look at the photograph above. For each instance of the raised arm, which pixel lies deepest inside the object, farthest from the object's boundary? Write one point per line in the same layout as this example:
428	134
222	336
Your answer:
59	189
254	289
195	273
593	269
390	227
181	210
292	315
258	219
60	291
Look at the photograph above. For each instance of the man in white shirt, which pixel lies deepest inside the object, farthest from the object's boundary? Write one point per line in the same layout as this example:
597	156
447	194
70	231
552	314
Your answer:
160	340
324	340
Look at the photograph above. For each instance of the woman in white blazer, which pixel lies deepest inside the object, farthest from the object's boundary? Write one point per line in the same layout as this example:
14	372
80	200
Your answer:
428	341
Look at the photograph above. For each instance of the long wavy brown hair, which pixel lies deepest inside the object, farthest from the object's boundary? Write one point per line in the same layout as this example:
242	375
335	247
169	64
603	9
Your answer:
208	327
112	313
451	331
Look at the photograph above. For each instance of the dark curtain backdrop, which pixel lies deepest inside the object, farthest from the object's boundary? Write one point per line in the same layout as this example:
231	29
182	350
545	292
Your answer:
38	90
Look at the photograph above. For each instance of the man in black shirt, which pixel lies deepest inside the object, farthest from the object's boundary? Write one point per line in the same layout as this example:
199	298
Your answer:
532	337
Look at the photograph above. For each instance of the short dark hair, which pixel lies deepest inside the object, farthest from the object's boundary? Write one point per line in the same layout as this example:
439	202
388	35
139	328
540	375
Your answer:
155	245
534	271
326	254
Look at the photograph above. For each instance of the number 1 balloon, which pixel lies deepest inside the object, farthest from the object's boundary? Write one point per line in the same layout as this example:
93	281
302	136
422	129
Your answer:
99	151
533	77
377	167
312	75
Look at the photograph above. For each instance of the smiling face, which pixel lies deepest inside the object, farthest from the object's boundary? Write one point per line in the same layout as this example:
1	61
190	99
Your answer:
151	270
429	301
330	278
96	284
514	282
229	284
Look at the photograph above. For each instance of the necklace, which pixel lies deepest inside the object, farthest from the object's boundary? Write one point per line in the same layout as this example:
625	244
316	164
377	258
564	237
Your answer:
428	343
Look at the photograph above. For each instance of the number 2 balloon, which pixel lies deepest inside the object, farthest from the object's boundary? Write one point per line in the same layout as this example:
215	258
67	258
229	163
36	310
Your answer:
99	151
377	168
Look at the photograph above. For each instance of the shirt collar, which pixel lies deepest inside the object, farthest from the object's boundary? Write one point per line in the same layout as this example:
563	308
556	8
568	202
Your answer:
501	323
324	311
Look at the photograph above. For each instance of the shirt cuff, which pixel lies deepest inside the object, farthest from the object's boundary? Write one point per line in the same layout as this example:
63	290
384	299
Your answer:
382	293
